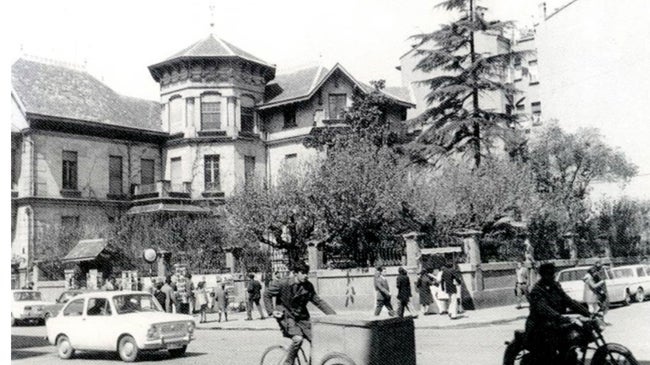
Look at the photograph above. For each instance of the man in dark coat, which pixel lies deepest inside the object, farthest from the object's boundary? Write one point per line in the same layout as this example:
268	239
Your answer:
548	302
292	295
253	289
450	281
403	291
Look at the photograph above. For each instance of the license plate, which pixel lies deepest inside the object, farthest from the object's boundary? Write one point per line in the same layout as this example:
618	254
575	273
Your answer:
173	346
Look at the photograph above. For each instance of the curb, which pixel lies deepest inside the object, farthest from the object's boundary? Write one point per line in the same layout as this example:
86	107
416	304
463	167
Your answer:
438	327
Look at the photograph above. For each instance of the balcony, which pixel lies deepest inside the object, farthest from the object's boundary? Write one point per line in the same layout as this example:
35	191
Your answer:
162	189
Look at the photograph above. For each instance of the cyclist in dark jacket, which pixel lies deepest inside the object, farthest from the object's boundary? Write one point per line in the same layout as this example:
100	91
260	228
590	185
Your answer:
292	295
548	302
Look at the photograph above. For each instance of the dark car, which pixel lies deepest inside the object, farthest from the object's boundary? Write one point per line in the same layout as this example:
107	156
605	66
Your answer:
53	309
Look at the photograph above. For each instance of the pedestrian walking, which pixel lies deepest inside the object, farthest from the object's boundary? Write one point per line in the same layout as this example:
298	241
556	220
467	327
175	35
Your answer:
253	290
521	285
595	291
383	293
403	291
439	296
221	298
201	298
423	284
159	294
169	301
449	283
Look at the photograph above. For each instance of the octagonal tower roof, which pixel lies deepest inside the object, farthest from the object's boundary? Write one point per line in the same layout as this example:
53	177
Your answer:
210	48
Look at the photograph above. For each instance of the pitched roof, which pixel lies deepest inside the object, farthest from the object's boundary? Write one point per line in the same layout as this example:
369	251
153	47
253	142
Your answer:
58	91
302	84
215	47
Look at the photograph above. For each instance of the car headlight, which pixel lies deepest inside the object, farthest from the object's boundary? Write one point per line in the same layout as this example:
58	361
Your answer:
153	333
190	326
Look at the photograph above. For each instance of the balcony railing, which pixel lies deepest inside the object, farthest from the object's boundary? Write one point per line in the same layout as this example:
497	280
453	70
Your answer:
162	189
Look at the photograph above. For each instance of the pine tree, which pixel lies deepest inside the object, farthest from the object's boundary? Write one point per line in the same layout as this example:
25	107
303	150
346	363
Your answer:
455	120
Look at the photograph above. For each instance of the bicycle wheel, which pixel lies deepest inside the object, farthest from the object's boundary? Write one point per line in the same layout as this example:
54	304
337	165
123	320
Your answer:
613	354
337	358
274	355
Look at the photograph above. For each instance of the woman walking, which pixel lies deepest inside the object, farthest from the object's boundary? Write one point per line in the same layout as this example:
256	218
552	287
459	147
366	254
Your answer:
201	301
403	291
424	290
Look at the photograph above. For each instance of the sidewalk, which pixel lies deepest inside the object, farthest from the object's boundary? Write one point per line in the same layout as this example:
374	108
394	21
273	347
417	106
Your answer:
469	319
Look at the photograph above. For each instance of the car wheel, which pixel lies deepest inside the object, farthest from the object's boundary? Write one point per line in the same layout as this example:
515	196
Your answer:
178	352
628	297
640	295
128	349
64	347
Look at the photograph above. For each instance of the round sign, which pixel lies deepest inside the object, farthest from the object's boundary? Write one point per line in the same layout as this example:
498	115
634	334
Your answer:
149	255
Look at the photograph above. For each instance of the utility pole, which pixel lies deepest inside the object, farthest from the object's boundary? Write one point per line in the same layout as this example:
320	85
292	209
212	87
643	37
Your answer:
475	124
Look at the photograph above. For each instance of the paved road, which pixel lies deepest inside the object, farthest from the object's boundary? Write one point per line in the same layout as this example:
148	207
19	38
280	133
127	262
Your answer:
475	345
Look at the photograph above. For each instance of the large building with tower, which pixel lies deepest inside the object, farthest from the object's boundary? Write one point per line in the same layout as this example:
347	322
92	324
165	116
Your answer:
81	152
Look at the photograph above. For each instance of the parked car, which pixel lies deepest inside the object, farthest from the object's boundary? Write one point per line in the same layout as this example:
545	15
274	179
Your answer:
130	322
27	305
635	279
573	284
53	309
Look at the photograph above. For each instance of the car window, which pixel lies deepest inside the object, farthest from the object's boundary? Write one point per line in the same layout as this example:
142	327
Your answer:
572	275
27	295
74	308
640	272
623	273
98	307
129	303
66	296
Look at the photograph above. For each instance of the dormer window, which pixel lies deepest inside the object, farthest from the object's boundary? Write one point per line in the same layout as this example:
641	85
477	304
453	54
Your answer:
210	112
289	117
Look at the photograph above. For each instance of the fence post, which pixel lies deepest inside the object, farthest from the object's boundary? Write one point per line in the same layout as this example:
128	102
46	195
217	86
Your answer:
571	245
315	256
473	251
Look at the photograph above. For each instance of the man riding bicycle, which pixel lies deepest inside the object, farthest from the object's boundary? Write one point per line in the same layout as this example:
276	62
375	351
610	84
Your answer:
292	295
548	303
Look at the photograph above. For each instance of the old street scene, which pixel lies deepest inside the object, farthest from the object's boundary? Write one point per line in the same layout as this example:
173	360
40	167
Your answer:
352	182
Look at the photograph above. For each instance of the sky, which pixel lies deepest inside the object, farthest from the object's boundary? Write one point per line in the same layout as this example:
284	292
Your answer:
118	39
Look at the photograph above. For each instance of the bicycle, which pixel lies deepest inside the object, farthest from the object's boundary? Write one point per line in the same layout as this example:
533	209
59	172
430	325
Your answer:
276	355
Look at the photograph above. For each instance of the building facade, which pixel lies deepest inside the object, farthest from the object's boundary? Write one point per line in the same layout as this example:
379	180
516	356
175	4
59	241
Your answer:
83	154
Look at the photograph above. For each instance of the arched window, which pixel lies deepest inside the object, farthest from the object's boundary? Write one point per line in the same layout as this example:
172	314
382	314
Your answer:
247	114
210	112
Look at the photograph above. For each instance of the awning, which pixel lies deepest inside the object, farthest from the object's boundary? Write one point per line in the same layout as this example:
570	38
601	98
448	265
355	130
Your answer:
86	250
167	207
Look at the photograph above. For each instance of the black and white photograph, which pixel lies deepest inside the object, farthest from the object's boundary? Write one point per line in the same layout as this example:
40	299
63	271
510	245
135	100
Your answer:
342	182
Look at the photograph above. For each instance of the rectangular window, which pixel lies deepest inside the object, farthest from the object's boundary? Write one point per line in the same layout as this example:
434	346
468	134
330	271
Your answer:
175	114
211	173
521	107
533	73
337	104
176	172
115	174
249	171
98	307
290	117
210	116
146	172
70	224
247	119
14	167
290	160
69	179
536	108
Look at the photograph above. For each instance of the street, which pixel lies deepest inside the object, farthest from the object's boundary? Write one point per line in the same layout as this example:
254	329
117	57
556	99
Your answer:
471	344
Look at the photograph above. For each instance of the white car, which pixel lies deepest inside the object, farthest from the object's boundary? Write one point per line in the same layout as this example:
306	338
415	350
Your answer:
128	322
27	305
572	282
635	279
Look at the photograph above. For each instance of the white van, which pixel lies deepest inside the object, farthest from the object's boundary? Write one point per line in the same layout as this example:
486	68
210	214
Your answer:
573	284
635	279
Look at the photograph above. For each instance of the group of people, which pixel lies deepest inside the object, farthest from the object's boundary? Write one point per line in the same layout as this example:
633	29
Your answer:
440	286
181	296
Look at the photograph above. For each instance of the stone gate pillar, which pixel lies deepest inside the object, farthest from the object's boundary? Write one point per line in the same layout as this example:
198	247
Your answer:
472	249
571	245
315	256
412	249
